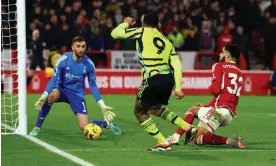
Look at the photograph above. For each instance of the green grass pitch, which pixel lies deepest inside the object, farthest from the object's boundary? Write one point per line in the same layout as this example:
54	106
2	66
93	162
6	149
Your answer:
255	123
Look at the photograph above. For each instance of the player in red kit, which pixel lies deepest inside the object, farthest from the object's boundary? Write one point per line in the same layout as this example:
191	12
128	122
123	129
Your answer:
225	86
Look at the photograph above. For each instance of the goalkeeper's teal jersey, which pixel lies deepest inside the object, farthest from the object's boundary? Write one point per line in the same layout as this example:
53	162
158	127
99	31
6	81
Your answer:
156	53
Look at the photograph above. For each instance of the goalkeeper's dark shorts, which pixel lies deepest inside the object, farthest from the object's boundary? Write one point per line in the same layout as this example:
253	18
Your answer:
156	91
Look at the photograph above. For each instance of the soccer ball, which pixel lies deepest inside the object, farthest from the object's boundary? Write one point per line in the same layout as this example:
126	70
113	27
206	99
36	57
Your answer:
92	132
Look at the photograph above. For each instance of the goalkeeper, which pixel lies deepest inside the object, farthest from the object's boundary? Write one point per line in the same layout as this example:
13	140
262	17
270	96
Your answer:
68	85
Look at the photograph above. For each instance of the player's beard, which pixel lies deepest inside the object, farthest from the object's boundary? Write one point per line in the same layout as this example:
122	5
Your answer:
222	59
79	54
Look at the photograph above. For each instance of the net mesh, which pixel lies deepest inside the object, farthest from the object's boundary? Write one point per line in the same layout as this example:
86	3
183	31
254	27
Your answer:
9	76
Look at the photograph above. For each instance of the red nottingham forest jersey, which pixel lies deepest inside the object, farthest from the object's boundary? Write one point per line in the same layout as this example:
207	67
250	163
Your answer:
226	85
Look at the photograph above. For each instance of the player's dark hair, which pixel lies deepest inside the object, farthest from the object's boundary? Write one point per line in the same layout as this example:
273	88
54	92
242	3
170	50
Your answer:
78	39
151	19
234	51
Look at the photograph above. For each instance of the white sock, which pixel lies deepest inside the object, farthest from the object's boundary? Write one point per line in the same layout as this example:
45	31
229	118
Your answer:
175	135
229	141
166	142
108	124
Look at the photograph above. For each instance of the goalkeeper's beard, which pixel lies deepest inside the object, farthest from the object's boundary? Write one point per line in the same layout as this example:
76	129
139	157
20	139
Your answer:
78	55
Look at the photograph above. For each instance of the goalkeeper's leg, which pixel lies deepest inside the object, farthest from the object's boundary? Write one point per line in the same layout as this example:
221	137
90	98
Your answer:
83	121
79	108
108	125
53	97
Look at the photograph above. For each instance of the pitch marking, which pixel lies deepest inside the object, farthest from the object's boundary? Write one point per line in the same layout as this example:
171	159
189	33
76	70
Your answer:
53	149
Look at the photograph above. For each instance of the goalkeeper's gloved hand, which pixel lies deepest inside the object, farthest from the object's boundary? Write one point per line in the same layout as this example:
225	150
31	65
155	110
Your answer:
107	113
41	101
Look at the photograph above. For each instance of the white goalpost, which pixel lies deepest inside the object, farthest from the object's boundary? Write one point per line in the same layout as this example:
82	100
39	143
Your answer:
13	67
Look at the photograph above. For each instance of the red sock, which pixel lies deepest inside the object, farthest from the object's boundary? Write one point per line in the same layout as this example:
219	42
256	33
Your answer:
212	139
189	118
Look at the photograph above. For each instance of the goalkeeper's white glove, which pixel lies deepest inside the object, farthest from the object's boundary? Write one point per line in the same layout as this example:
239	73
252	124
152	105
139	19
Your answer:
41	101
107	113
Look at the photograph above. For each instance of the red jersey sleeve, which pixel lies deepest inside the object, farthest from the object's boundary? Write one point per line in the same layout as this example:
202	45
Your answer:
215	86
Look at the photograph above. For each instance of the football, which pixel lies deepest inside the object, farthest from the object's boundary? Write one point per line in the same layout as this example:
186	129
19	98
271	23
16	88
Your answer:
92	132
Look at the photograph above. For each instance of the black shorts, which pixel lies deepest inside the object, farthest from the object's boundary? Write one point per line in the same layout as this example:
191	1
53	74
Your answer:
156	91
37	62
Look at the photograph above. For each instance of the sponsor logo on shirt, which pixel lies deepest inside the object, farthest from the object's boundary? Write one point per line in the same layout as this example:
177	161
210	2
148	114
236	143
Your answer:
73	77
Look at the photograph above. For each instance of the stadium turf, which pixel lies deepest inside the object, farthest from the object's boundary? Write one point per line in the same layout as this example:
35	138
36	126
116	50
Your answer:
255	123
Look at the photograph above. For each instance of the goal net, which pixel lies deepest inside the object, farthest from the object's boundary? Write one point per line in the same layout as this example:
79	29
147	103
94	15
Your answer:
13	67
